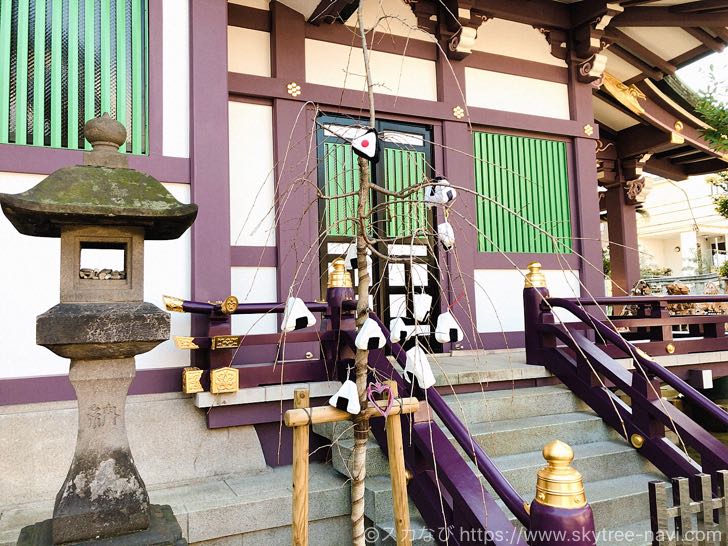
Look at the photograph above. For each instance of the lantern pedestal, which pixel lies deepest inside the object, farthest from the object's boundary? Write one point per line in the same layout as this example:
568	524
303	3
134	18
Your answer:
163	531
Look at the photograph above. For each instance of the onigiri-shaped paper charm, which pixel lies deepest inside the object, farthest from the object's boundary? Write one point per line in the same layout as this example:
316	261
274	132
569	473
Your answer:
397	330
422	304
418	367
447	330
346	398
446	235
441	193
351	260
296	315
367	145
370	336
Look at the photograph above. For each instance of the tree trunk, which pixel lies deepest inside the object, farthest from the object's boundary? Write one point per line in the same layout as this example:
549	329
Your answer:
361	424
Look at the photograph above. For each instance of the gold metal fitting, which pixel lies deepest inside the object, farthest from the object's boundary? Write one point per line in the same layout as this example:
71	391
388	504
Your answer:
559	484
224	380
534	277
226	342
670	348
186	343
230	305
173	304
191	380
408	475
637	440
339	277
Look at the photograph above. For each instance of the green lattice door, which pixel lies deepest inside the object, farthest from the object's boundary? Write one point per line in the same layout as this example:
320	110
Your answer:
401	225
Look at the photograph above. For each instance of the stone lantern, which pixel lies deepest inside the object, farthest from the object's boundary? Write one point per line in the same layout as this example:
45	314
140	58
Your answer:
103	210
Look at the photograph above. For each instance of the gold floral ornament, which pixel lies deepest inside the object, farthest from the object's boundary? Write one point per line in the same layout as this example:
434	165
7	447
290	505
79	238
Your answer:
230	305
588	129
294	89
458	112
224	380
629	95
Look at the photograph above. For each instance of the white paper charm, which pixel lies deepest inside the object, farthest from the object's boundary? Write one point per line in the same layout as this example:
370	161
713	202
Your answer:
446	235
352	263
422	303
346	398
418	366
367	145
447	329
370	336
397	330
441	194
296	315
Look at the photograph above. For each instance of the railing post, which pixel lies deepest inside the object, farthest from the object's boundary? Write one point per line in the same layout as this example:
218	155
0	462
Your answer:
534	293
560	513
339	289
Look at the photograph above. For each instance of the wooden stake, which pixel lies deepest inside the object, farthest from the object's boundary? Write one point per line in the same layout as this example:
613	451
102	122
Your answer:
327	414
397	473
300	474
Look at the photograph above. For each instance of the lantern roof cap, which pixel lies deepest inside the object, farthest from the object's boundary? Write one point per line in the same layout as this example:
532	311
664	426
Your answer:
103	191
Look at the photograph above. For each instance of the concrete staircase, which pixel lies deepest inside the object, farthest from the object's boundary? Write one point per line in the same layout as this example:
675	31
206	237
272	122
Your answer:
512	427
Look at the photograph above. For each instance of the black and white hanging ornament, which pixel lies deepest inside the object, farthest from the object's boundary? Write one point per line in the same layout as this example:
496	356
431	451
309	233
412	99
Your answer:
446	235
296	315
441	193
367	145
422	305
418	367
397	330
370	336
346	398
352	261
447	329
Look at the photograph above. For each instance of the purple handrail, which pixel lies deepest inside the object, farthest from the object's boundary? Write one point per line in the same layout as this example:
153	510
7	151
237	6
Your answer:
513	501
653	367
207	308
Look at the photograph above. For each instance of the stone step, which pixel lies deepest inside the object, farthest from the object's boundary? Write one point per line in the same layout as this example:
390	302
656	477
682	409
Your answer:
527	434
478	407
385	534
237	506
634	534
595	461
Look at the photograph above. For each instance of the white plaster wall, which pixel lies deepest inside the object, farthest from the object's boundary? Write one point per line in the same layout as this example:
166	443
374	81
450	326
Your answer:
619	68
254	285
248	51
168	271
662	40
515	40
260	4
499	296
390	17
342	66
510	93
29	285
252	184
176	78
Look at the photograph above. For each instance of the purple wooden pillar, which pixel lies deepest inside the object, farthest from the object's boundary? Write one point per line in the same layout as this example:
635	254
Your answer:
457	167
559	513
209	176
534	293
585	198
624	256
339	290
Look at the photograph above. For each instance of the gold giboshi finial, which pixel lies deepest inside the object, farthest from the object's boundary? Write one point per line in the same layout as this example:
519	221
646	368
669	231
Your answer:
559	484
535	278
339	277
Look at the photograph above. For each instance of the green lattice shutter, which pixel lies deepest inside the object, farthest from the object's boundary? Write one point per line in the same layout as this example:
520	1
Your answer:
63	62
525	189
341	176
404	168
